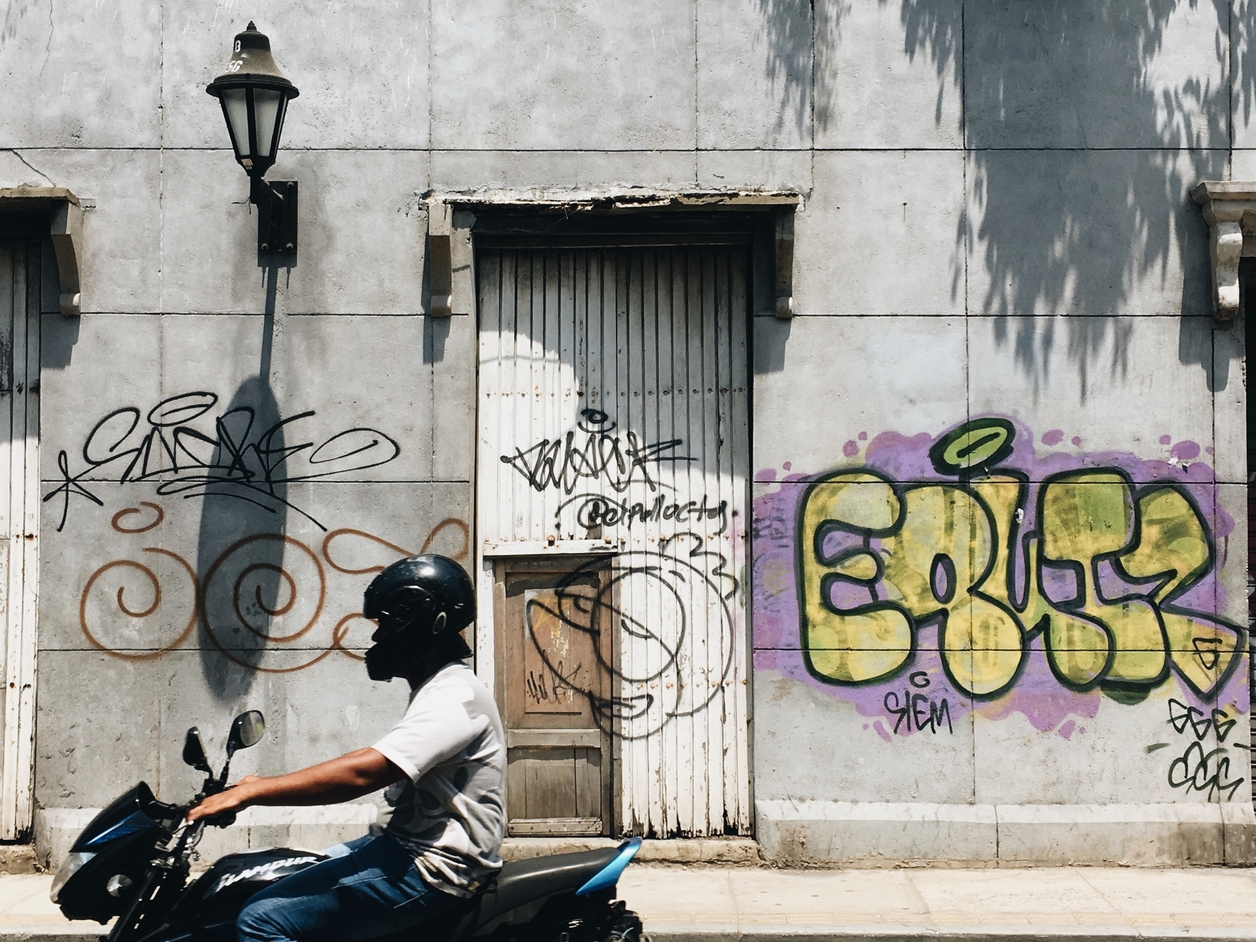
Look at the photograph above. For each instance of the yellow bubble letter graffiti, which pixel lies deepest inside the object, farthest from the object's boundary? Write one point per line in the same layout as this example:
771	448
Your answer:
867	640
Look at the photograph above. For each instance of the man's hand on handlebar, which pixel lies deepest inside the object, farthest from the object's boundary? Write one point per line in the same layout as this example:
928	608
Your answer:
224	805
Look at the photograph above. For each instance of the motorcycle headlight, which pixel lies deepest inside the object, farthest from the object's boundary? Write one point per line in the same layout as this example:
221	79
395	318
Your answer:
70	866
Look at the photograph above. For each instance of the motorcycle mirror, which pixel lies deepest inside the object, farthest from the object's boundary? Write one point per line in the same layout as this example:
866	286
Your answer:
194	752
246	730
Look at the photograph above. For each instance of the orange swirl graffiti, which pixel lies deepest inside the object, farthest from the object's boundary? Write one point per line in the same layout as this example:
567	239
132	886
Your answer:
136	613
339	633
448	523
121	515
282	605
237	592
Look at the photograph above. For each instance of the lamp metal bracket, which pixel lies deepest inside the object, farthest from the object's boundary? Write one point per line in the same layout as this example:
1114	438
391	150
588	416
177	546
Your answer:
276	203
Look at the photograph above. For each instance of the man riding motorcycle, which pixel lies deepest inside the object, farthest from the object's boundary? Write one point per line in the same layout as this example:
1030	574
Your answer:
443	764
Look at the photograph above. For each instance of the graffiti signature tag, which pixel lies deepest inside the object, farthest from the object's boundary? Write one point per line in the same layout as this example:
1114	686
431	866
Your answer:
614	460
236	460
1195	769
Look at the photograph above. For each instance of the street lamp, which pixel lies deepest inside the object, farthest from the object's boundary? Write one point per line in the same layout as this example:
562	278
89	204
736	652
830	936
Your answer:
254	96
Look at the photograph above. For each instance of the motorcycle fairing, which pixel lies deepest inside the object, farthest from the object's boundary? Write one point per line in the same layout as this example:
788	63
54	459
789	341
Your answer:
216	898
119	840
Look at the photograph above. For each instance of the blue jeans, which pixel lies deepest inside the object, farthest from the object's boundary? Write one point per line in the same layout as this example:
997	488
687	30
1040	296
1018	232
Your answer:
372	888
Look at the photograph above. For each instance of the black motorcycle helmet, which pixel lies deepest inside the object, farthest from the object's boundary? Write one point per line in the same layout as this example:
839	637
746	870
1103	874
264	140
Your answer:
421	604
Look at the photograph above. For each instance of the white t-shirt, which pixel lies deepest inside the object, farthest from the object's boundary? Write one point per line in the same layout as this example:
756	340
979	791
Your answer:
451	814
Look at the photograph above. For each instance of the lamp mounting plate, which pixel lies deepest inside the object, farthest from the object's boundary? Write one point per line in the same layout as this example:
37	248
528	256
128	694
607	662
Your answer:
276	203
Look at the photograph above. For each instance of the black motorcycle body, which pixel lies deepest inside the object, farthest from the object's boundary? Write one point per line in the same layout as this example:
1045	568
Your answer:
132	863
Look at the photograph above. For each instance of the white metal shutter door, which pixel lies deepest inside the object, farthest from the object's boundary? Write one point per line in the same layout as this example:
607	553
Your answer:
613	407
19	519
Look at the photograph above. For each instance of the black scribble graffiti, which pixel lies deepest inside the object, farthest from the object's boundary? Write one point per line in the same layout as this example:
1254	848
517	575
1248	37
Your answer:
541	689
1201	771
233	460
1208	651
596	510
599	455
917	710
1195	769
1182	715
681	575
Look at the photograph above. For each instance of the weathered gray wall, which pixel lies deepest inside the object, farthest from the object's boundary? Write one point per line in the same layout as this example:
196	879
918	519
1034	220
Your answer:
995	219
1003	228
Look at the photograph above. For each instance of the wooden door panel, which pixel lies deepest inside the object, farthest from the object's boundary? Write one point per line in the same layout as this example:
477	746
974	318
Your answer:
561	659
553	648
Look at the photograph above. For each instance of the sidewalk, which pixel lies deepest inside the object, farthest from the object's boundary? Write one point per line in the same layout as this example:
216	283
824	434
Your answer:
713	904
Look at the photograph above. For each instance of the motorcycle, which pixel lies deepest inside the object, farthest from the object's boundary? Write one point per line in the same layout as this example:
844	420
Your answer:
133	862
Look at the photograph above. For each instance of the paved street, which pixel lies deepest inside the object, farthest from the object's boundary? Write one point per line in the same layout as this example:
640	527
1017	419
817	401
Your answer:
705	903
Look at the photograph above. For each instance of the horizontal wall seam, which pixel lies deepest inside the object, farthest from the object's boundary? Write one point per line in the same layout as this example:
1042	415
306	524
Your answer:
893	149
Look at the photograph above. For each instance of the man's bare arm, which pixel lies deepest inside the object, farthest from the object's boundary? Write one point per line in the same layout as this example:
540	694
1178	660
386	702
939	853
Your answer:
344	778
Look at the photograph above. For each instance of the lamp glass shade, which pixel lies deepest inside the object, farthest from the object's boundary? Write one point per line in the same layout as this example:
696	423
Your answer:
235	107
267	119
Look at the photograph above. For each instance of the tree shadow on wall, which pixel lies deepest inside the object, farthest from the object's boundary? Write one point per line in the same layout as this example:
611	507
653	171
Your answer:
1101	220
794	29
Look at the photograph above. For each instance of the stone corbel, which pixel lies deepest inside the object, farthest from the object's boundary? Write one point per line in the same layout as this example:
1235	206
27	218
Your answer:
440	257
1230	211
785	264
450	259
65	228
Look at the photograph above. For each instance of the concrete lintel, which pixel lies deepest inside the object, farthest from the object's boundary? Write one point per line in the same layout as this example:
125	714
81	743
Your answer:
613	199
550	548
1230	210
65	228
451	215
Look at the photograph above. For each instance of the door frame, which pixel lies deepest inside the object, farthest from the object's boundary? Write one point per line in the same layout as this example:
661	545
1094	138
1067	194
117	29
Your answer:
452	229
19	519
52	218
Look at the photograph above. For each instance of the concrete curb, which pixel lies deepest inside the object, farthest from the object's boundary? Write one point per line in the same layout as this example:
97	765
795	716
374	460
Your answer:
885	932
818	933
726	851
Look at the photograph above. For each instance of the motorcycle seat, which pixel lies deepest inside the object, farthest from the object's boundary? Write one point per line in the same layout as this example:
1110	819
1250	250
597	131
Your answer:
524	880
522	885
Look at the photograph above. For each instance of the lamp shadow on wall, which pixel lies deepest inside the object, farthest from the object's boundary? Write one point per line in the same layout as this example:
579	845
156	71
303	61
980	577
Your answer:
1081	155
242	579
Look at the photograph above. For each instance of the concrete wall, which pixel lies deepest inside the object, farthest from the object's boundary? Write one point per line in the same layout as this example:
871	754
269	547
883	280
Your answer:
995	222
1051	275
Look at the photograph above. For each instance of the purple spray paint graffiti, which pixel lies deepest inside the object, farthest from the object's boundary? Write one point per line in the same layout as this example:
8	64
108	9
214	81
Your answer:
967	573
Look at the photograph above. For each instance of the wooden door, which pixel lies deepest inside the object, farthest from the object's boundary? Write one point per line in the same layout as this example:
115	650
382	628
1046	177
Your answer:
553	648
19	524
613	412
